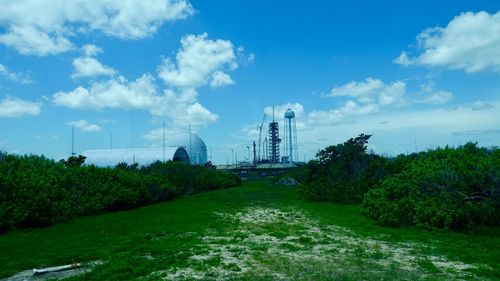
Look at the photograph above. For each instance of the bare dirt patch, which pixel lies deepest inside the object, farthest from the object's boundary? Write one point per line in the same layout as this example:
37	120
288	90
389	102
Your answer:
271	243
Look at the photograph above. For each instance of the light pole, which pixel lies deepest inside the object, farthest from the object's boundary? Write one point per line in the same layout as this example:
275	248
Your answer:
232	156
248	149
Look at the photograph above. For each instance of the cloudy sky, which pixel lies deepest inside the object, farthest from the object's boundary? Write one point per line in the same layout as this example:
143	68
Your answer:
416	76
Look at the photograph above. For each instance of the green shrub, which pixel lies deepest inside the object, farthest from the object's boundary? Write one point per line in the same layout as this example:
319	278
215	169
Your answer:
344	172
37	192
445	188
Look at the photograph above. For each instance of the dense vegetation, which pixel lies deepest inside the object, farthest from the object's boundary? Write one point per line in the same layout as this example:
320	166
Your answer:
37	192
451	188
211	236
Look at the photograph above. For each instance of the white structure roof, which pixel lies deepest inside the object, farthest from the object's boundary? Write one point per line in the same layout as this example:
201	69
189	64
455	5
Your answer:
194	145
141	156
180	148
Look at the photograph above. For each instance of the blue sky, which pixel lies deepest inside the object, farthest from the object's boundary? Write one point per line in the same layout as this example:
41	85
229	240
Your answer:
415	75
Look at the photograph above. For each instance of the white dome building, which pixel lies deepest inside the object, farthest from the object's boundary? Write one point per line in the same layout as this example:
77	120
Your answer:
194	145
180	148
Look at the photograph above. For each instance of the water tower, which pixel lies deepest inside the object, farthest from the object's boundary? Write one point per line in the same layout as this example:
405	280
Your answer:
291	136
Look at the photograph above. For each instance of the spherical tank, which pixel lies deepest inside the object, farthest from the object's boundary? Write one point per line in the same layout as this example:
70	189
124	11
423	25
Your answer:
289	114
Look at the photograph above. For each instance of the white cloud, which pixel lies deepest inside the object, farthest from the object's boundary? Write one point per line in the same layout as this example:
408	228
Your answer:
85	126
376	91
341	115
91	50
15	107
88	66
180	109
199	61
15	76
252	131
439	97
470	42
114	93
220	79
43	27
243	57
362	91
481	105
393	94
403	59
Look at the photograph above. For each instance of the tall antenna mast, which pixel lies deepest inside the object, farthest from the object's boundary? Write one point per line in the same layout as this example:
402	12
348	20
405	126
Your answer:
190	150
163	139
72	140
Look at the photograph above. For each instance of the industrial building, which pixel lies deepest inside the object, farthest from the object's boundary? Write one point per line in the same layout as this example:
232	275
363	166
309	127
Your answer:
188	148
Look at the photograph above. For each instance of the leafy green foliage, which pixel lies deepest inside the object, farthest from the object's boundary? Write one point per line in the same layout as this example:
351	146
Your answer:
343	172
452	188
37	192
74	161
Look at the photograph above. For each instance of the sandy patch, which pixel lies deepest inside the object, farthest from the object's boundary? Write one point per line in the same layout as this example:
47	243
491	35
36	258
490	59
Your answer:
332	249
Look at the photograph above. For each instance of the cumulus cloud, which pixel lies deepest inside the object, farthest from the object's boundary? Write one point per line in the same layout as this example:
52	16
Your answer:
180	108
439	97
15	107
220	79
200	61
403	59
393	94
341	115
114	93
44	27
376	91
480	105
363	91
85	126
372	91
243	57
88	65
470	42
15	76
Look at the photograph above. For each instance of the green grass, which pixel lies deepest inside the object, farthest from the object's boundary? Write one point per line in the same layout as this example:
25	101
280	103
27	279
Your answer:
210	234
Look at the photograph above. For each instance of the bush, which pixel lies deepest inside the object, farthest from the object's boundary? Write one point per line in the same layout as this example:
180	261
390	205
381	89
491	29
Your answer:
344	172
37	192
445	188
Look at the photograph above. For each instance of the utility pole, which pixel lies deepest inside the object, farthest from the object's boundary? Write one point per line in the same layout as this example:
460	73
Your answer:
190	150
72	140
163	139
232	156
254	155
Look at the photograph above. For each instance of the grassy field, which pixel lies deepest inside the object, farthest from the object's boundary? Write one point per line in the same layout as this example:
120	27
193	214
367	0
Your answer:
254	232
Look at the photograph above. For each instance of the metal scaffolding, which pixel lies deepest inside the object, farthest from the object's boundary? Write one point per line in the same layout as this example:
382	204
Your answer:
274	143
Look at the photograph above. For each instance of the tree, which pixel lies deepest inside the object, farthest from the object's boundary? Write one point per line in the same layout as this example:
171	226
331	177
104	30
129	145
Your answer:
74	161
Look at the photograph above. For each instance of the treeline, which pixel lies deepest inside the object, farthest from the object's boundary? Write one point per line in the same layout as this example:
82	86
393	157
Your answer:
445	188
37	192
